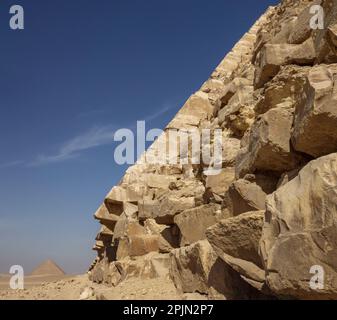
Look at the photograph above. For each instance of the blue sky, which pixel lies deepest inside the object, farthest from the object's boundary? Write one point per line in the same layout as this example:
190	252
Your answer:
80	70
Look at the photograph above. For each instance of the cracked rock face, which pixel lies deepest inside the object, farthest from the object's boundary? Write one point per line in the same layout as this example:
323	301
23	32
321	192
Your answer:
265	226
300	231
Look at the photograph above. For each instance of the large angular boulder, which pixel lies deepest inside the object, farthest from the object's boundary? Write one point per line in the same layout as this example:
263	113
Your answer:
269	147
301	30
315	127
238	114
105	217
118	195
244	196
285	90
299	234
181	195
168	235
273	56
236	241
137	245
104	232
230	149
238	85
126	227
133	239
150	266
193	223
172	205
238	236
197	268
196	108
147	208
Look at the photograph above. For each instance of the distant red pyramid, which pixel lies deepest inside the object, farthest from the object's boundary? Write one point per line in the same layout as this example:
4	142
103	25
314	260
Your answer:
48	267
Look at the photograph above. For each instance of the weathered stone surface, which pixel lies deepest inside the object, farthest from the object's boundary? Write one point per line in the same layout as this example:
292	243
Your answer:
238	236
149	266
300	232
267	182
113	274
301	30
196	108
269	146
248	271
141	245
194	222
273	56
137	245
97	273
105	217
220	183
197	268
147	208
159	181
171	206
179	196
315	128
236	241
212	85
237	87
326	51
168	170
104	232
231	147
332	34
118	195
130	210
168	235
285	90
188	187
244	196
283	32
238	114
125	227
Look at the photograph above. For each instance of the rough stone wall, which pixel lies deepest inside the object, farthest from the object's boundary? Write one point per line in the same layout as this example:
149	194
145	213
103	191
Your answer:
256	229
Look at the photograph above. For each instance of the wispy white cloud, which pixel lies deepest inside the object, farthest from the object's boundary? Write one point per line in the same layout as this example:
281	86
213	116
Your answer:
95	137
11	164
166	107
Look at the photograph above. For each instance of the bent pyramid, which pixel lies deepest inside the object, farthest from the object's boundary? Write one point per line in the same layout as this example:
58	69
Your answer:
48	267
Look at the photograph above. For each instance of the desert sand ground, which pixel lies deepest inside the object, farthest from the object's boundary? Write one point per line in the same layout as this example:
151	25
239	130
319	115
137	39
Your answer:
80	288
30	281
